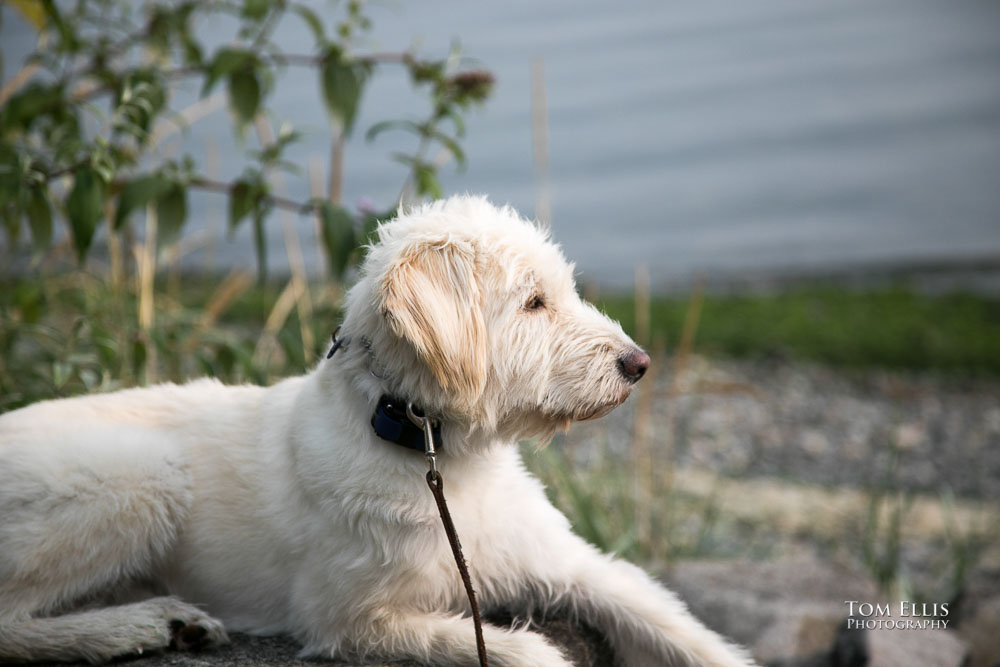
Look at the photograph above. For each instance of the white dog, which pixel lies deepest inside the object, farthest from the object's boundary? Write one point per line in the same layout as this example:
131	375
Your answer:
146	518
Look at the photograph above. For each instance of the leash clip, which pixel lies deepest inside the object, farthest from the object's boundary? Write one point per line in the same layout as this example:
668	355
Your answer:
425	424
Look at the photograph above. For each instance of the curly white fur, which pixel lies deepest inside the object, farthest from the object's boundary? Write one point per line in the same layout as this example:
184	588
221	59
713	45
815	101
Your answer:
278	510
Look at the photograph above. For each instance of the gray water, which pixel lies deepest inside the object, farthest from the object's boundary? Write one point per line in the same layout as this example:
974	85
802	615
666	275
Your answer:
721	138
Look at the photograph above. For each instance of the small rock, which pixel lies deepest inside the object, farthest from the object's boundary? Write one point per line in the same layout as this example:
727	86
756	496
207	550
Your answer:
979	630
909	436
780	609
905	648
798	635
815	443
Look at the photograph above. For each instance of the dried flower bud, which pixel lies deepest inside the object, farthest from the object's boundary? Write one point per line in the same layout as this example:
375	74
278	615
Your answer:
473	85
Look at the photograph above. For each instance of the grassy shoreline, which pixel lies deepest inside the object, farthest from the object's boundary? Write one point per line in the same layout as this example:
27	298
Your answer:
76	331
886	327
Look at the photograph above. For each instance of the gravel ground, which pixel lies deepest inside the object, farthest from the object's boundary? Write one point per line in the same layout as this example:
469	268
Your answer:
815	425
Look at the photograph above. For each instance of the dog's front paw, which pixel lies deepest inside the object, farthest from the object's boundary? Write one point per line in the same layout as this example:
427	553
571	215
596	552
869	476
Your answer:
194	636
191	629
523	648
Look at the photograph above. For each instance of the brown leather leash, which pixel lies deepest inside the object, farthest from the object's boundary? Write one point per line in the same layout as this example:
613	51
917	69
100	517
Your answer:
436	483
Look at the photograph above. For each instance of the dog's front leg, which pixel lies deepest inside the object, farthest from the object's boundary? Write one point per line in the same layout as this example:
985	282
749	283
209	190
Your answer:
645	623
545	565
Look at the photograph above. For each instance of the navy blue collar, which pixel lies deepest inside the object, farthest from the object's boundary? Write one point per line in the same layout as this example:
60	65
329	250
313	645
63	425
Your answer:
391	423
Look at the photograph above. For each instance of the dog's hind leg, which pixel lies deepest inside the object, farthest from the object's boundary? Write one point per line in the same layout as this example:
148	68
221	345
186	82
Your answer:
79	522
98	635
76	523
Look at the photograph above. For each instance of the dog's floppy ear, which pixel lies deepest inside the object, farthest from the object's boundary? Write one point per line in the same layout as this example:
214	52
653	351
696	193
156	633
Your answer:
431	298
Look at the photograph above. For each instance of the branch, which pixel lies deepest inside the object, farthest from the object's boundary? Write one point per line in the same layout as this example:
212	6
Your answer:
85	92
278	202
208	184
381	58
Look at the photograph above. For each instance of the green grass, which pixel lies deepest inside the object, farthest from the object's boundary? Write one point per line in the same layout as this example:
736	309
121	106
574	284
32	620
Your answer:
895	328
75	332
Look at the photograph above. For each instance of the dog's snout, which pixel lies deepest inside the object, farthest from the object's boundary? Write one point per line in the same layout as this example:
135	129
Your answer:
633	364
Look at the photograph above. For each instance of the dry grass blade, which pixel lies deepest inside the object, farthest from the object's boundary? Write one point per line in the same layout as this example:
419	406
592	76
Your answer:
293	249
540	144
228	291
665	487
146	260
24	75
268	340
642	454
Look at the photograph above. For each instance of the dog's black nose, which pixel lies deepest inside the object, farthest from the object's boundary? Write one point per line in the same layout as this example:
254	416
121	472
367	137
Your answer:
633	364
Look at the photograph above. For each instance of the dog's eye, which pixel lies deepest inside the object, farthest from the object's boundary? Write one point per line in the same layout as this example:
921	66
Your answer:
535	303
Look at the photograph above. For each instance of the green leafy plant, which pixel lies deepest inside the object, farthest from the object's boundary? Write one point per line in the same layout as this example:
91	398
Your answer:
78	125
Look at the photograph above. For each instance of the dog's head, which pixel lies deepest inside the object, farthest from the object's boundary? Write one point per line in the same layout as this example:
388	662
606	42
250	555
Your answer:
472	312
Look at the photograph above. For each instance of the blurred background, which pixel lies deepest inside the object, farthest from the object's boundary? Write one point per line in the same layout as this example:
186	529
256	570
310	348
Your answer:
793	206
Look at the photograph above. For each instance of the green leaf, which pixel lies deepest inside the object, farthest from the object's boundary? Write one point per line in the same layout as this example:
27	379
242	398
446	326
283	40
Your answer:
12	223
29	299
84	208
256	9
226	358
141	96
370	223
456	119
138	356
31	103
426	181
382	126
158	30
192	51
339	238
189	41
136	194
171	211
68	38
271	155
452	147
242	200
244	94
61	373
11	171
39	218
225	62
343	81
310	17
